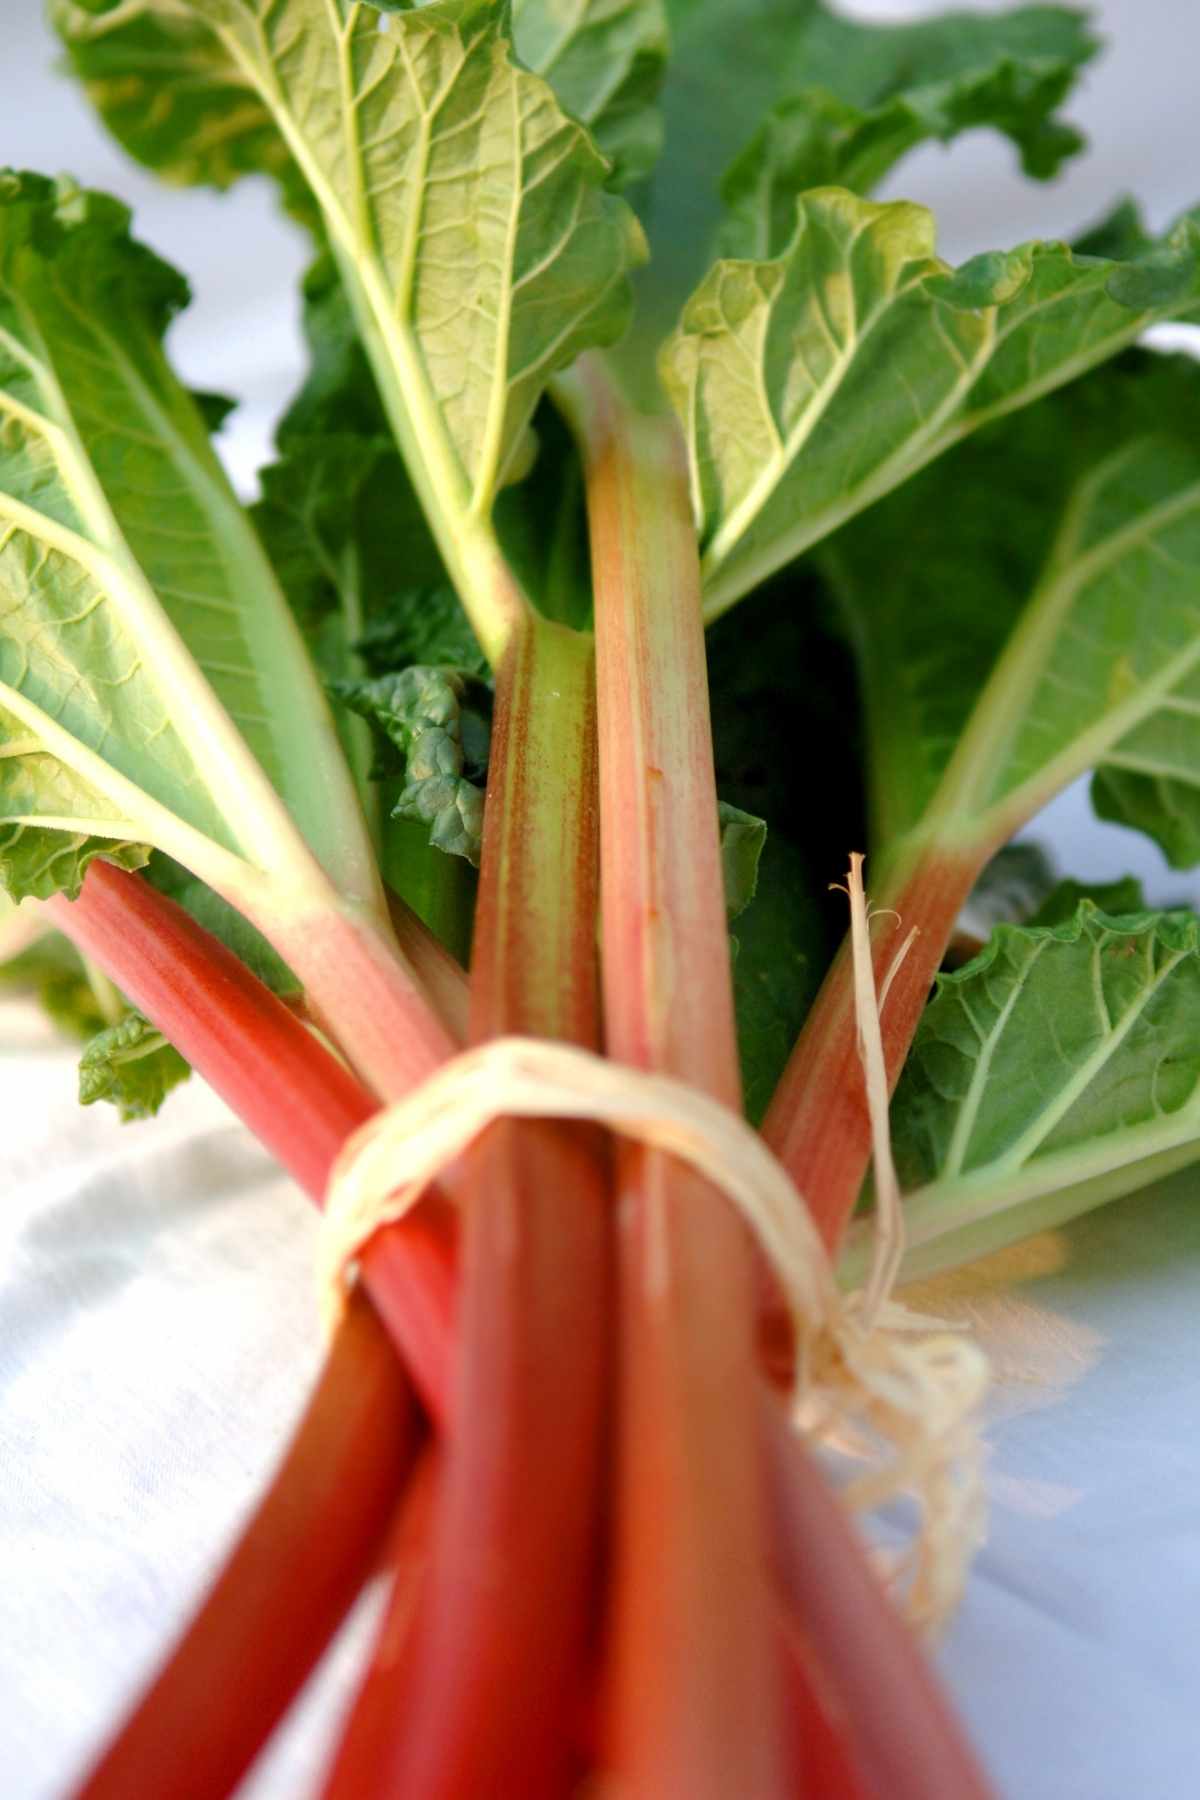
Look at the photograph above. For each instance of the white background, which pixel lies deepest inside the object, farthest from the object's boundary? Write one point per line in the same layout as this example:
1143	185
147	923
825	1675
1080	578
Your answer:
156	1328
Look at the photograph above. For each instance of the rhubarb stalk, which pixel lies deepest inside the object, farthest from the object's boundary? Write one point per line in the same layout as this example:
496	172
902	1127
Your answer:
477	1697
695	1702
818	1124
297	1098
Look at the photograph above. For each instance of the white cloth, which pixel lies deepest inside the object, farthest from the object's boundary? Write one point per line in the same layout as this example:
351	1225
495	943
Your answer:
158	1336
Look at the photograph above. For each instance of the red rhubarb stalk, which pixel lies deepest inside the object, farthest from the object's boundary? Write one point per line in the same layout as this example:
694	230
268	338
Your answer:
297	1568
441	975
818	1124
904	1735
695	1704
478	1700
282	1082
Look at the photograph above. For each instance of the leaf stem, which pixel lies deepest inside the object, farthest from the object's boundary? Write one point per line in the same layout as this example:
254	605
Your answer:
695	1703
360	988
481	1698
297	1098
818	1123
907	1741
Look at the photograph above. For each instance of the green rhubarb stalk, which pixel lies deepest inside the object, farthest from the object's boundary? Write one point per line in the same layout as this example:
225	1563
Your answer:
694	1707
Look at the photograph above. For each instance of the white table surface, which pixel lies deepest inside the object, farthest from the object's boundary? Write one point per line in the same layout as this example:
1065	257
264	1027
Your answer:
158	1338
157	1330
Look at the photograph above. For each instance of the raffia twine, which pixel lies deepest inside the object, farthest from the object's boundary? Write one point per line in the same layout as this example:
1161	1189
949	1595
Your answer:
899	1392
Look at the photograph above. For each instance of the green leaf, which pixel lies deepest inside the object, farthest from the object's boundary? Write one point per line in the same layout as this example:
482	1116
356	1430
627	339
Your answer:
422	625
139	614
168	90
443	745
52	822
873	92
743	838
1165	806
777	970
53	972
1062	904
1030	609
468	216
811	384
132	1065
855	96
605	59
1059	1069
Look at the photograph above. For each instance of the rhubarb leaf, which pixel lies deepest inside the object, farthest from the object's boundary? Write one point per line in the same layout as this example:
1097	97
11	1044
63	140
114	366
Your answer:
131	1065
442	739
53	823
1059	1069
1062	903
855	96
605	59
468	215
52	971
811	384
167	88
170	89
1030	609
1153	785
743	838
871	93
422	625
140	615
778	967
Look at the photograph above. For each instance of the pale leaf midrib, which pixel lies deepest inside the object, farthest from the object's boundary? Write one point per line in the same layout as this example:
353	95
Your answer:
942	1209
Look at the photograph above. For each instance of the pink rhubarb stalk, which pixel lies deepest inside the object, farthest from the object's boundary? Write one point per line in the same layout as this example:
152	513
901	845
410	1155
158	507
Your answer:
695	1703
818	1124
297	1098
904	1737
477	1696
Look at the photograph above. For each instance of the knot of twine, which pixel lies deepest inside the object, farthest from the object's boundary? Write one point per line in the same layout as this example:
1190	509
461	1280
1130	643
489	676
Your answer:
897	1391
